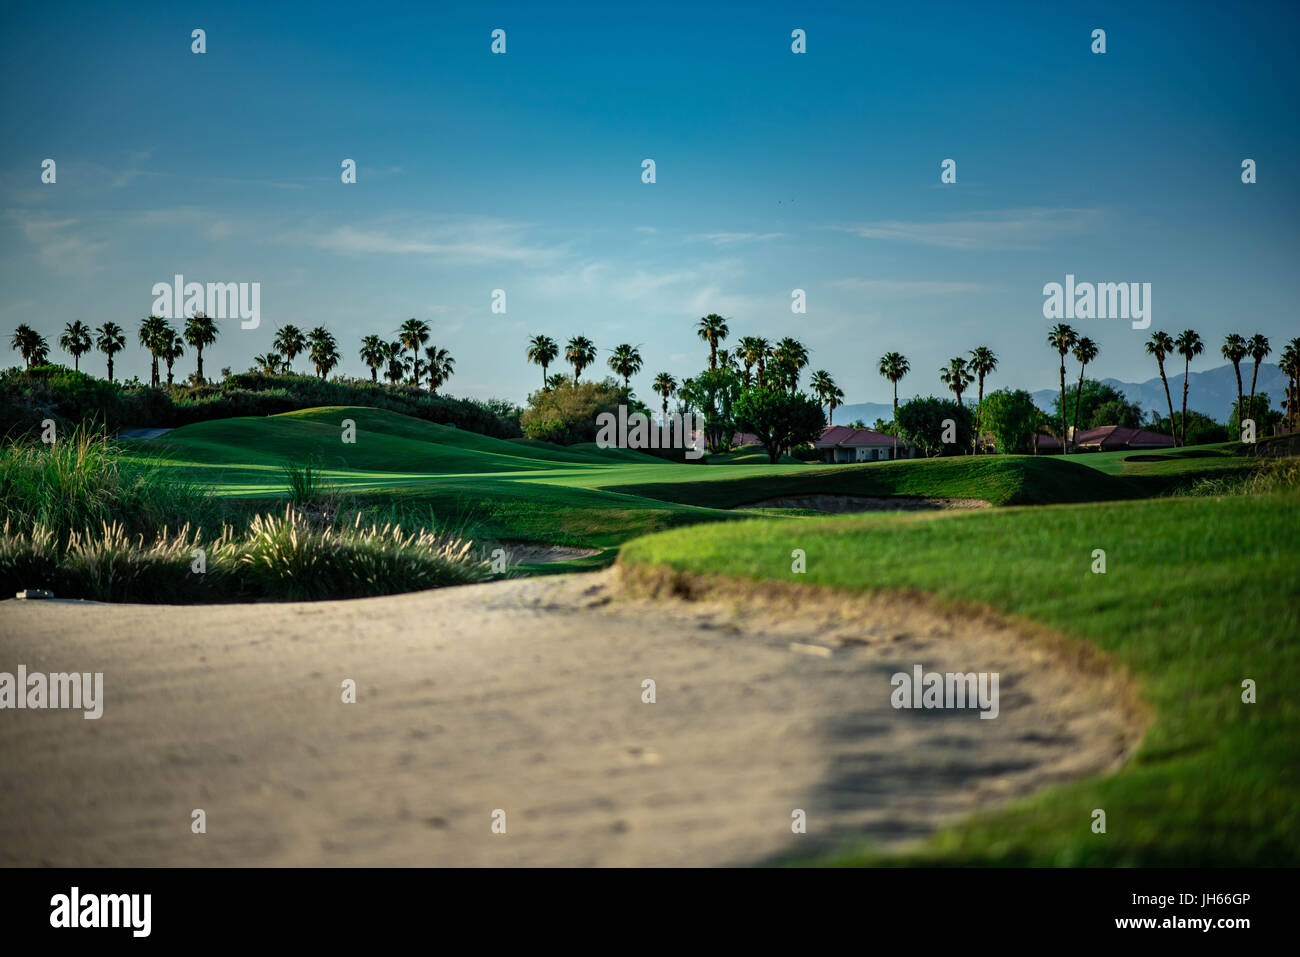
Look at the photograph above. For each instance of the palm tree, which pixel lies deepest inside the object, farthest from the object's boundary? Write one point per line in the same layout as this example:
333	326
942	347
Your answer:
441	367
760	351
542	351
393	352
1259	350
323	351
1189	344
827	392
270	362
1160	345
173	348
1290	364
413	334
290	343
1085	350
956	376
983	363
1062	338
200	331
579	353
712	329
75	341
750	349
1234	349
893	366
374	353
110	340
665	385
155	334
625	360
30	344
792	356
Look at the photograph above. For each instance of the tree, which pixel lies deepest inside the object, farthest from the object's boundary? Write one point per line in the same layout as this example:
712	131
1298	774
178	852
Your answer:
827	392
565	412
173	348
790	356
441	367
1258	410
1234	349
1085	350
75	341
1098	404
110	340
374	353
665	385
956	376
713	394
323	351
1290	365
983	363
270	362
625	360
290	343
1161	345
1062	338
780	419
1259	350
1013	420
155	334
394	351
30	344
893	366
200	331
413	334
579	353
542	351
750	349
920	421
1189	344
712	329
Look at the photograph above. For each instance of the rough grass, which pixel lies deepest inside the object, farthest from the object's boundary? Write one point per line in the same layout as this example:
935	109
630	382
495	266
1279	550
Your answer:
1199	595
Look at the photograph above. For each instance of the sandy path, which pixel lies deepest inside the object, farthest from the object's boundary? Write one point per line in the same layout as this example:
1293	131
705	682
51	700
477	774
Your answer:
525	696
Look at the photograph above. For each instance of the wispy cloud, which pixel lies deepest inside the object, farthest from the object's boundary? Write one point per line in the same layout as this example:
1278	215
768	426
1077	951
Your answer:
901	287
470	241
1005	229
57	244
730	239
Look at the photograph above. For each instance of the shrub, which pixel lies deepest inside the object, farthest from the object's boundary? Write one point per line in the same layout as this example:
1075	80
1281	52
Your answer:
566	414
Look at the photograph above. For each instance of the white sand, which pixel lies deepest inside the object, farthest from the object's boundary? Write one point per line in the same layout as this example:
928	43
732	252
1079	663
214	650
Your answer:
522	695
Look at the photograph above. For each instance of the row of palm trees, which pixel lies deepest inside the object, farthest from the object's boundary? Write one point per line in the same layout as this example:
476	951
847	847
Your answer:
754	359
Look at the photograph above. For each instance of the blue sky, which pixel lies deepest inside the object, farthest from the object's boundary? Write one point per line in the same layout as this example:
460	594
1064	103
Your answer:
775	171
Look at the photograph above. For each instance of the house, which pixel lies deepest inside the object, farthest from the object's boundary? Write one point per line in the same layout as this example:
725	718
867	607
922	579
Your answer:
1108	438
840	444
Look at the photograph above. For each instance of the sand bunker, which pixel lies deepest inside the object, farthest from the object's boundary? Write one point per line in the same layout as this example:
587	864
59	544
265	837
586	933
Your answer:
529	553
526	696
838	504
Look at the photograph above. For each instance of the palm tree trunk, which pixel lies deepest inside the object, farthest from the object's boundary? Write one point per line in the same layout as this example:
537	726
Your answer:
110	368
1168	399
1236	367
895	418
1187	365
1078	397
979	407
1065	445
544	376
1254	373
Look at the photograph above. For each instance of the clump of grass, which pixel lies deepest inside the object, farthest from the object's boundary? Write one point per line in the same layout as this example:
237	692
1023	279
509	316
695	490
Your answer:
290	557
1272	475
79	482
278	558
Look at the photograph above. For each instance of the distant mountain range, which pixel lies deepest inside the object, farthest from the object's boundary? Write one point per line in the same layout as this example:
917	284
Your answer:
1211	393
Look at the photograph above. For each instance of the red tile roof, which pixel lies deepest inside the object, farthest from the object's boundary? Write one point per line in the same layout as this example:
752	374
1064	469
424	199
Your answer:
838	435
1113	436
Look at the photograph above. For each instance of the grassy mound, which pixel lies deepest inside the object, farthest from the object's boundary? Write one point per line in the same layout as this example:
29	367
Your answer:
1199	595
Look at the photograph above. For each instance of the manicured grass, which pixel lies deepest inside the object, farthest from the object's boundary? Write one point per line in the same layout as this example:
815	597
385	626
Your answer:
1199	594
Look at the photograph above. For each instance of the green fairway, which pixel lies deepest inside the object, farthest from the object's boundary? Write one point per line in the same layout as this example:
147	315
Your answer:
1199	594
